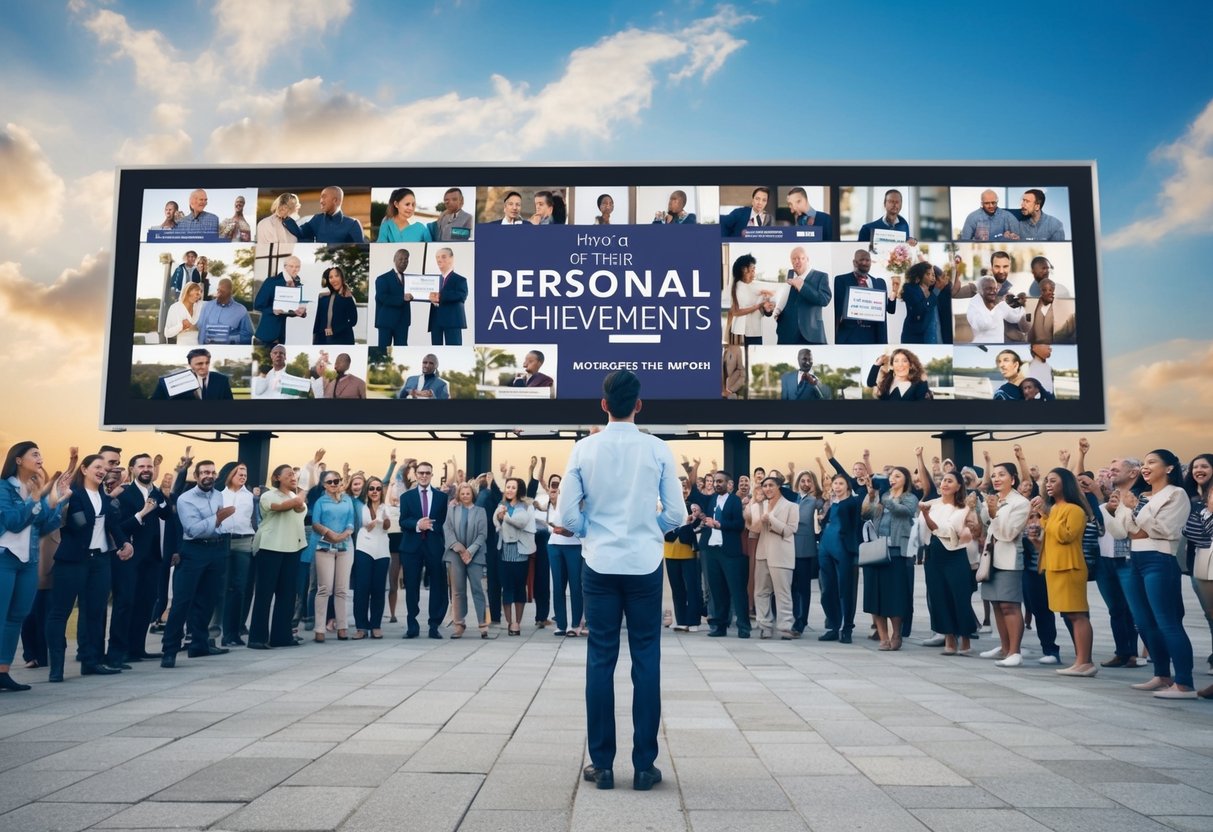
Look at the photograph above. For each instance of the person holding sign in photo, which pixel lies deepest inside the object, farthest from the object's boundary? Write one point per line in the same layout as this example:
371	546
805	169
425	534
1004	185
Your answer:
392	312
279	298
197	382
224	320
891	221
861	303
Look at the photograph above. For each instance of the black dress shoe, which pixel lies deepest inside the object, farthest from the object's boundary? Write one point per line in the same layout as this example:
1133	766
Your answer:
209	651
743	633
148	656
118	665
717	633
435	634
828	635
642	781
233	642
603	778
98	670
410	634
134	659
258	645
7	683
168	660
291	643
844	637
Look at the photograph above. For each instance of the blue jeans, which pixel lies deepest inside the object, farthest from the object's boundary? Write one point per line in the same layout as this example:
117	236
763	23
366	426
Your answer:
1158	608
369	582
1108	579
608	599
802	592
565	562
837	595
18	586
686	591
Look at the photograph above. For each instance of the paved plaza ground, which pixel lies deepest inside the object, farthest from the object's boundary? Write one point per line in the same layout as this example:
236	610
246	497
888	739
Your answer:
489	735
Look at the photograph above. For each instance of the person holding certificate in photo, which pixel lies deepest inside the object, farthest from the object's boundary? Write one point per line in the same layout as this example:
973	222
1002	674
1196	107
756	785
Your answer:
224	320
196	382
861	304
181	323
891	221
336	312
399	226
279	298
748	304
392	298
276	382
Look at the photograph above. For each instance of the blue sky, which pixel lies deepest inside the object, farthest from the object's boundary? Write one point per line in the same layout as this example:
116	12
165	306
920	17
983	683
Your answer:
91	84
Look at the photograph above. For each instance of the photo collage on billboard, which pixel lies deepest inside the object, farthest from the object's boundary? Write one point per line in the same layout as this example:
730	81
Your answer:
773	291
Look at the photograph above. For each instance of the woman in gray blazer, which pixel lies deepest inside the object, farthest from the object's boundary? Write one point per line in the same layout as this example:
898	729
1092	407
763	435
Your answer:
515	523
884	592
808	498
466	530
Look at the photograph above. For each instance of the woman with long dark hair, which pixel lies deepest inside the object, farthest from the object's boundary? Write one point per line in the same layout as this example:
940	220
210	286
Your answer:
921	299
947	565
398	225
1064	513
1154	523
899	376
372	557
30	506
280	538
747	304
1005	513
515	523
336	310
884	589
92	533
1198	482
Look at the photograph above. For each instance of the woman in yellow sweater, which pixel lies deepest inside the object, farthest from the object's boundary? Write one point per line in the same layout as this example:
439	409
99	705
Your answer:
1064	514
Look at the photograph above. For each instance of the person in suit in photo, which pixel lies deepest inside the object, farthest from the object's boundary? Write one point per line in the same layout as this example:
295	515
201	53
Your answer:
1052	322
141	507
343	385
726	563
210	385
733	376
805	216
336	310
427	385
736	221
675	212
530	375
892	220
800	320
802	384
852	331
271	329
423	512
447	316
393	312
328	226
92	531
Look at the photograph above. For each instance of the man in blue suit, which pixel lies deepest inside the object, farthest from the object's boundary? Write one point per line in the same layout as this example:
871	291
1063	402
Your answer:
891	221
141	507
210	385
802	385
330	225
804	215
392	312
799	322
725	562
271	329
427	385
422	513
736	221
854	330
447	317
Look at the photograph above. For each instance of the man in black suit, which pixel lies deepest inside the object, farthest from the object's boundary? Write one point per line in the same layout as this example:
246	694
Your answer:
854	330
799	322
422	513
210	385
392	311
726	563
448	319
141	508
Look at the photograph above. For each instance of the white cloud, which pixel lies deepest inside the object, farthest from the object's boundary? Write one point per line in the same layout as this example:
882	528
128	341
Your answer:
73	303
254	32
1161	395
602	86
96	190
1185	200
157	149
159	65
33	210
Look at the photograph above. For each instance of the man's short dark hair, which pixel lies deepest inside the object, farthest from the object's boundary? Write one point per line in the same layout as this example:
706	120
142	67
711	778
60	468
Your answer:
762	188
136	458
799	190
891	191
202	462
512	193
538	355
545	195
1038	195
194	353
999	255
722	473
1040	259
109	449
450	191
191	251
621	389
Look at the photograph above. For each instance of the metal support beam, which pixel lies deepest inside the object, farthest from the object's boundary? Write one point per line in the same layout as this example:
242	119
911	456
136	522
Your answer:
956	445
736	453
253	450
479	452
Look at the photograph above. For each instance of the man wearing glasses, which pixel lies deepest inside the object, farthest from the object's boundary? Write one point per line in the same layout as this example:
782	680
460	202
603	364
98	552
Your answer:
422	513
989	222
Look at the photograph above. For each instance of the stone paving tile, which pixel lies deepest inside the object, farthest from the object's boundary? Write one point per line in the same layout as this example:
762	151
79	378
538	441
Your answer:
235	778
1157	798
128	783
1104	820
978	820
943	797
730	821
846	804
57	817
151	815
1107	771
1188	823
23	785
299	809
479	820
907	771
15	753
98	754
1044	791
433	802
807	758
528	787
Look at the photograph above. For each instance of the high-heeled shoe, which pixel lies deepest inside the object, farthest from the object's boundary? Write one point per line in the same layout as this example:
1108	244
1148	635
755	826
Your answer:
514	632
343	635
459	628
358	635
484	632
319	638
376	633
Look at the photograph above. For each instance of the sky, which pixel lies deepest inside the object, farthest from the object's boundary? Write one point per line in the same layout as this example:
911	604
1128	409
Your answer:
91	85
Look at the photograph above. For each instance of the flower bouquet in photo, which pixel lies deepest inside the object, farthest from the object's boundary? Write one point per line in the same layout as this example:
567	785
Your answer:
900	259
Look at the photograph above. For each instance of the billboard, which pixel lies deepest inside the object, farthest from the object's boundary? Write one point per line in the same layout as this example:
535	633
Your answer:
793	296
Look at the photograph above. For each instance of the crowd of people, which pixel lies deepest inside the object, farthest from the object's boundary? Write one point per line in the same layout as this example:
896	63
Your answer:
209	560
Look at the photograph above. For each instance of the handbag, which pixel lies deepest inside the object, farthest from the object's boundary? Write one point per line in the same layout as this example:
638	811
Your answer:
1202	564
985	562
875	552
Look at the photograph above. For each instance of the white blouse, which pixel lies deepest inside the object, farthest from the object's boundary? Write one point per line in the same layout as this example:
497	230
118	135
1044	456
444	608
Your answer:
271	231
747	295
375	541
178	315
951	525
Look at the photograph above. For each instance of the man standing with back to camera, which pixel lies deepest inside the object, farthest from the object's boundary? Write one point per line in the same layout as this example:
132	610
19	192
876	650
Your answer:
609	498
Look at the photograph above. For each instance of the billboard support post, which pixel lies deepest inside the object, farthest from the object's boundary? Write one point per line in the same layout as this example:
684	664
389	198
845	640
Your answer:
737	454
479	453
253	449
957	445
